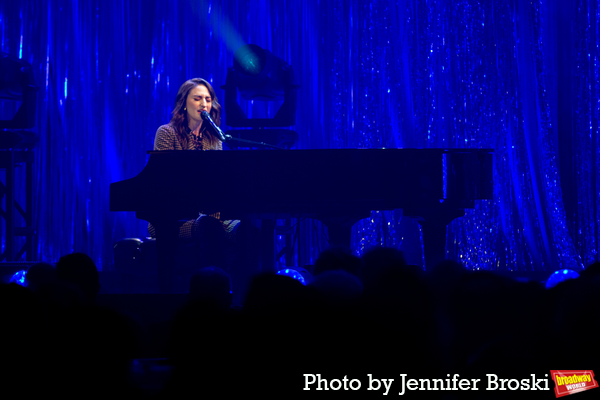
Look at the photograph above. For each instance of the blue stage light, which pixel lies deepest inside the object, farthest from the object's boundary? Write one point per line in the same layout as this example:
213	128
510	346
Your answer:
19	278
297	273
560	276
292	273
250	60
259	75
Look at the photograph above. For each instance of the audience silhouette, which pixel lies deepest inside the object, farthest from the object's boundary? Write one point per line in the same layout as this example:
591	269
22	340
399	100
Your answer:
358	315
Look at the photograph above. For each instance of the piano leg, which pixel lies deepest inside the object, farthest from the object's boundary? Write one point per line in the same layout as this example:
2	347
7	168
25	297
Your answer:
434	242
434	222
167	235
267	229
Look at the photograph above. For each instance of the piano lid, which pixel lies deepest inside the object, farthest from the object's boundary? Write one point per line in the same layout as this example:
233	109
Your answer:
304	181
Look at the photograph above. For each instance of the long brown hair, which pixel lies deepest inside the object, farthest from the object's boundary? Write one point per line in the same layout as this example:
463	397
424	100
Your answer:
179	118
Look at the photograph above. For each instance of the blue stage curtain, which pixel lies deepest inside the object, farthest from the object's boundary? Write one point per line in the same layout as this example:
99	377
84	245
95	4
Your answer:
379	73
579	80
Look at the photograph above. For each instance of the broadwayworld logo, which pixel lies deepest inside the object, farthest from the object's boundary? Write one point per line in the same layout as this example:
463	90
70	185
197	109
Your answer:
569	382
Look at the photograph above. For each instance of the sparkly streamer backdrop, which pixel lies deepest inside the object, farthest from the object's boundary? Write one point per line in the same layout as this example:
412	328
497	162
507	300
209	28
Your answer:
520	77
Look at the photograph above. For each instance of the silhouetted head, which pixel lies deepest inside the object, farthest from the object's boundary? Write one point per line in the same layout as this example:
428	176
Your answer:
79	270
212	284
337	258
338	288
446	274
380	261
40	274
274	293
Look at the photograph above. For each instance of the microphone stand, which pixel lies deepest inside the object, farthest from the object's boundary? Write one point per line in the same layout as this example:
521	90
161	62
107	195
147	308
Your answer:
223	137
263	144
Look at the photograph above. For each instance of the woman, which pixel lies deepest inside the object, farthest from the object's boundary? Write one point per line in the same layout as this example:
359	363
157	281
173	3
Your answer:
186	131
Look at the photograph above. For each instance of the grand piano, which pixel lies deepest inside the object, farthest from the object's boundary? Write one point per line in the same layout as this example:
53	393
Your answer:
336	186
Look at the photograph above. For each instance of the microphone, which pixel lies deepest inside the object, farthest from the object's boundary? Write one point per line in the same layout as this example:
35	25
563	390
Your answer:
220	135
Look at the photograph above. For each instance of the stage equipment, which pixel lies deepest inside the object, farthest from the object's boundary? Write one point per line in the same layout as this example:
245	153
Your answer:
297	273
560	276
16	149
257	75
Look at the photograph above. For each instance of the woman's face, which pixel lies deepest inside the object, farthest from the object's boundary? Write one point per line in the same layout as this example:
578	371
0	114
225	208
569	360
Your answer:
198	100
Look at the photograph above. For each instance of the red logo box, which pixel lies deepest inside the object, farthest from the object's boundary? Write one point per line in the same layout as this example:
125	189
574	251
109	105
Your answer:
572	381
